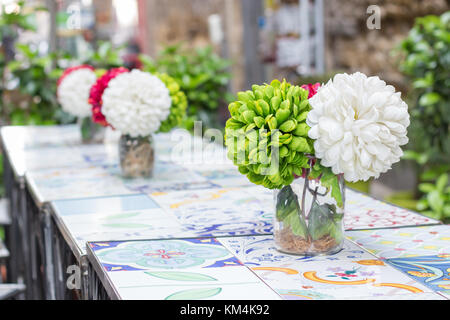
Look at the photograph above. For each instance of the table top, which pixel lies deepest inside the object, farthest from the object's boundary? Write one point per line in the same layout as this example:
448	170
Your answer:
249	267
198	205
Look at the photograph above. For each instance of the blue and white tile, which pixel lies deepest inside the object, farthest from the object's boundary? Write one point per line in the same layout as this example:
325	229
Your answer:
404	242
261	250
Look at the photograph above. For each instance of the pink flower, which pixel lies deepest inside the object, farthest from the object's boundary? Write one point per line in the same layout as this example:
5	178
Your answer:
95	97
312	88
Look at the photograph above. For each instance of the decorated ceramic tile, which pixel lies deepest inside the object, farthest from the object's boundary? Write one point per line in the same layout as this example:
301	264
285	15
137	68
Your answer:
191	284
104	205
33	137
163	254
211	206
75	182
225	178
342	279
261	251
234	291
432	271
404	242
167	176
411	296
445	294
364	212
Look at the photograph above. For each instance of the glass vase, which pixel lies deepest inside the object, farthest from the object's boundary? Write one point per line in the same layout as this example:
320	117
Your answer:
307	219
91	132
136	156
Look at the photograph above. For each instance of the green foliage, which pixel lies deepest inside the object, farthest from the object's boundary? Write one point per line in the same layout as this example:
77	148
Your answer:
426	62
36	80
105	56
11	22
329	180
202	76
267	136
179	103
436	189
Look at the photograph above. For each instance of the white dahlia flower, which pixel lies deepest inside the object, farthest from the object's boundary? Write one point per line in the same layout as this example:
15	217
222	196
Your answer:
73	91
136	103
358	124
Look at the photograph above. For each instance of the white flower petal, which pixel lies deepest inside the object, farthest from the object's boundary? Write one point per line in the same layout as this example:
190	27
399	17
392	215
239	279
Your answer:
358	124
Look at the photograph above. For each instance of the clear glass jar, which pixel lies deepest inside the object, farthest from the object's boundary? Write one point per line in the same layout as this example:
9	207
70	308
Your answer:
136	156
308	220
91	132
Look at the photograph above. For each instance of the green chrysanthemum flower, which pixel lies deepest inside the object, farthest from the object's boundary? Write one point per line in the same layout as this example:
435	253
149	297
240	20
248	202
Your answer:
179	103
267	136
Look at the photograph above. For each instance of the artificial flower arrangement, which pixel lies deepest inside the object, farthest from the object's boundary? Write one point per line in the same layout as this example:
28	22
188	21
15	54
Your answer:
303	142
73	88
137	104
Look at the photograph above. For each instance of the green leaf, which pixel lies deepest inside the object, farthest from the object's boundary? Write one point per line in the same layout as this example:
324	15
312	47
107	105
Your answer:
321	221
429	99
194	294
435	201
441	183
181	276
426	187
301	130
288	126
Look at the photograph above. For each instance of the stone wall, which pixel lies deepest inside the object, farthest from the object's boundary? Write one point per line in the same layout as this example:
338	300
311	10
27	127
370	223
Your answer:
351	46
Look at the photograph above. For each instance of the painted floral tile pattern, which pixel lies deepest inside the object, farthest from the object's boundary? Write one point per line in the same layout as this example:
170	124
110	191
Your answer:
432	271
343	279
230	211
404	242
351	273
261	251
188	269
163	254
364	212
234	283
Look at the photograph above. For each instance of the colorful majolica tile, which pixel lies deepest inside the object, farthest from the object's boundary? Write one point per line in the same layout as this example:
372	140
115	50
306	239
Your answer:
364	212
348	274
341	279
212	206
163	254
411	296
404	242
261	251
225	291
445	294
75	183
233	283
432	271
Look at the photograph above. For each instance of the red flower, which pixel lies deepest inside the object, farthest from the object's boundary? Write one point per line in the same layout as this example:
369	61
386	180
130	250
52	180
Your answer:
95	96
72	69
312	88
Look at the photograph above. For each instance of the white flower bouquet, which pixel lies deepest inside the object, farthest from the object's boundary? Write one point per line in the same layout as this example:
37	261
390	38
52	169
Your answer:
137	104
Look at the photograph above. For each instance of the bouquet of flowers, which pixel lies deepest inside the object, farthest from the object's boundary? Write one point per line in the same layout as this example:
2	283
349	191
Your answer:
73	89
304	141
137	104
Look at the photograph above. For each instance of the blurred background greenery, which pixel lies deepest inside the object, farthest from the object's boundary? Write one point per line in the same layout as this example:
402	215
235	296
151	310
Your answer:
214	48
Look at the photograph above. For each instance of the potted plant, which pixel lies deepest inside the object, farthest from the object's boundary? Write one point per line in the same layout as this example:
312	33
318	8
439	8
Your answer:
138	104
73	88
303	142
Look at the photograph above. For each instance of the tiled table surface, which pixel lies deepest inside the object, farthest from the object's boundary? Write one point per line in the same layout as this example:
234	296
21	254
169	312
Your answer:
199	229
